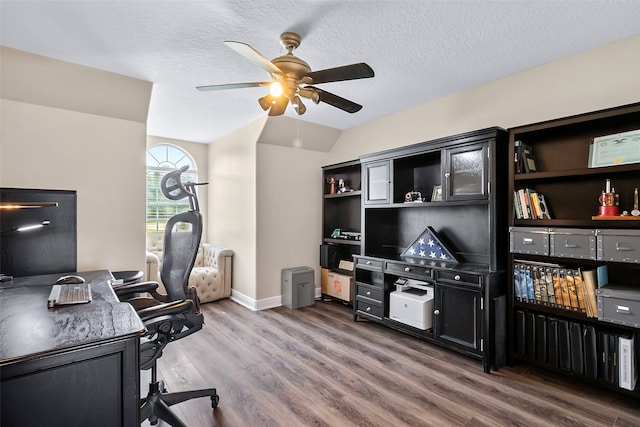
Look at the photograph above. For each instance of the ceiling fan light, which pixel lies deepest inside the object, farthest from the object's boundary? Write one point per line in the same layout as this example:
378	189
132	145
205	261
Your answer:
297	105
275	89
266	102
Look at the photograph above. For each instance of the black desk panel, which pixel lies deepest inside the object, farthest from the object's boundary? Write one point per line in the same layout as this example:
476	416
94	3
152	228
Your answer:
72	365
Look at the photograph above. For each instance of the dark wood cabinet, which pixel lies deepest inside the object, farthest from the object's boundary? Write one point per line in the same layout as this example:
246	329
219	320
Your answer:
556	253
376	182
466	172
458	317
467	306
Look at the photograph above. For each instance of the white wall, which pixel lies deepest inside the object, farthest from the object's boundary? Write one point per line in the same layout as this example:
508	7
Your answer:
600	78
232	204
69	127
289	231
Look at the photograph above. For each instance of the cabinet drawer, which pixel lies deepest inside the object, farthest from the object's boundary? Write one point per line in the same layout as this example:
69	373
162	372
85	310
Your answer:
572	243
618	245
458	277
373	292
529	240
369	263
368	306
417	271
619	305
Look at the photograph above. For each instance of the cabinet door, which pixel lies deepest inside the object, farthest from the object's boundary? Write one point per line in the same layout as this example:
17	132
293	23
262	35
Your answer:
466	172
376	177
458	317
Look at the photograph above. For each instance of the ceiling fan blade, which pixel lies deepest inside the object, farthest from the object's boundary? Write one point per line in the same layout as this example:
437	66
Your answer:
232	86
279	106
254	56
346	72
336	101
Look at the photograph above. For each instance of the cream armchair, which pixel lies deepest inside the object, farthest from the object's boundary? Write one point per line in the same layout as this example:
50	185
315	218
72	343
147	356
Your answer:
211	274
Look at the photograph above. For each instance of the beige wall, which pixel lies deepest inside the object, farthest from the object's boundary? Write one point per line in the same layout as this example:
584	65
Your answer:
232	204
64	126
289	215
601	78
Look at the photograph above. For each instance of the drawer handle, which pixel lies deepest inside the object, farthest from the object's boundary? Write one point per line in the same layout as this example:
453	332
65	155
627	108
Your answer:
368	309
407	269
623	246
368	293
456	277
368	262
567	244
527	241
447	174
622	309
436	312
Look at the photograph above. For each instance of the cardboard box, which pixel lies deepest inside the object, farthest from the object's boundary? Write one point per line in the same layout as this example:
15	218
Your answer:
336	285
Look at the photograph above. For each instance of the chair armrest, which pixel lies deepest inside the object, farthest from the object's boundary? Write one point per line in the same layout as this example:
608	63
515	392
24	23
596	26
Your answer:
166	309
127	291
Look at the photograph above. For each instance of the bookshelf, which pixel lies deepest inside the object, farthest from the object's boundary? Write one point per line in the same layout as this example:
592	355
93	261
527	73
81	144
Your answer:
542	331
341	201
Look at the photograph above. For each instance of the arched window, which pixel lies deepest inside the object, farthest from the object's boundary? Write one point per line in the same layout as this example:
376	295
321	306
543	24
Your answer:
161	159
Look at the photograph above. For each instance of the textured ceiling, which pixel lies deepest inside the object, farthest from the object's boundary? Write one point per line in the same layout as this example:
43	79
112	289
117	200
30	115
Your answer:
420	50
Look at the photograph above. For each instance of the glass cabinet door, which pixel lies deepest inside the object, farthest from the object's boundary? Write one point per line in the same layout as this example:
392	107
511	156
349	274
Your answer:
466	172
376	176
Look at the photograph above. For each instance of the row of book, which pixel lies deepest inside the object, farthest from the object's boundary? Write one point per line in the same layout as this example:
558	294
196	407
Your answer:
529	204
588	350
556	286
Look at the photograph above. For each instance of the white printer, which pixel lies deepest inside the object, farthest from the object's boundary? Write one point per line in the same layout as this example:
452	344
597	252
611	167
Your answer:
412	303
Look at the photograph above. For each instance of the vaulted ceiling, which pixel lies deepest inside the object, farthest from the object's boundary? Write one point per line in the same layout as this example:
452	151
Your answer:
419	50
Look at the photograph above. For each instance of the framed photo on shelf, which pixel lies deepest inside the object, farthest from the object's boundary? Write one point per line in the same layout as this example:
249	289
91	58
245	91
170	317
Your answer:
528	159
436	196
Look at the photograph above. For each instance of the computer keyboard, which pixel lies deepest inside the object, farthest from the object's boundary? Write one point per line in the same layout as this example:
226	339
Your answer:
69	294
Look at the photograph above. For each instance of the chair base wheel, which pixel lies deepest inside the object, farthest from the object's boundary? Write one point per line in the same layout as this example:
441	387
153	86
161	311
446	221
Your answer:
215	399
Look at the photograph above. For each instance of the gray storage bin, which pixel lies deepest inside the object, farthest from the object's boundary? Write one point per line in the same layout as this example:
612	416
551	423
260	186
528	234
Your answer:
298	289
572	243
618	245
529	240
619	304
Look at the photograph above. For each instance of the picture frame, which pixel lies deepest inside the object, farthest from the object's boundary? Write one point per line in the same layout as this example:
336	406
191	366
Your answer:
529	162
616	149
436	195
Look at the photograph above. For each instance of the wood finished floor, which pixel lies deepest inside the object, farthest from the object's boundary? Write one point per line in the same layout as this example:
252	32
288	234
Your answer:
315	366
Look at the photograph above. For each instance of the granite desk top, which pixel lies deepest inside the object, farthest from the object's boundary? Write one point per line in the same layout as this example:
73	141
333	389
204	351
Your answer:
29	329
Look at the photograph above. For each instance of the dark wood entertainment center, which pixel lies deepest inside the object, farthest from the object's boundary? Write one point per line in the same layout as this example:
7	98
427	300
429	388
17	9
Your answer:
469	297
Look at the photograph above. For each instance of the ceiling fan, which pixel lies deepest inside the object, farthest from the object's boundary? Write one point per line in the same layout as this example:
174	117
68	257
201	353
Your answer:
292	78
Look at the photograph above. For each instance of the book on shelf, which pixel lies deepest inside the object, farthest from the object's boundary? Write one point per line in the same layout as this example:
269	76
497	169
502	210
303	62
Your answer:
627	374
517	156
590	351
590	280
564	288
539	286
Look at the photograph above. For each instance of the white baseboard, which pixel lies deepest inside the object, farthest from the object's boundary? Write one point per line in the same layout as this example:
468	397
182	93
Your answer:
263	304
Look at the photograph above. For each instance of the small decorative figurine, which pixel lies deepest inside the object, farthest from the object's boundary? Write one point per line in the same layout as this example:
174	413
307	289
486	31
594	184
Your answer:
332	185
635	211
608	201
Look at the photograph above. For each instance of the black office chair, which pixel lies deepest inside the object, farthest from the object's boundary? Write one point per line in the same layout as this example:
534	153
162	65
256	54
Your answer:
175	315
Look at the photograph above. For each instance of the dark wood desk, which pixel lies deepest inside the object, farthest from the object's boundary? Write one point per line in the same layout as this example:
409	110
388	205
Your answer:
73	365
